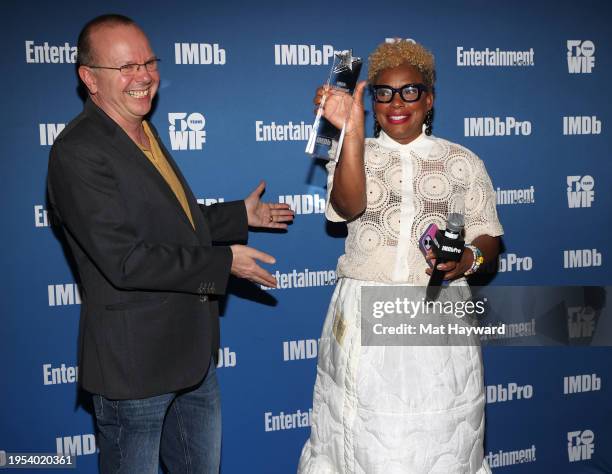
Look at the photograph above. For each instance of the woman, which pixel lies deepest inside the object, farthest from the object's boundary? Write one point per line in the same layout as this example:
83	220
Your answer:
410	409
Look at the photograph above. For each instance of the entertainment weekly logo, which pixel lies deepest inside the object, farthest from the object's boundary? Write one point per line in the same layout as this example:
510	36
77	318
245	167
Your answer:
45	53
274	132
515	196
42	217
494	57
509	458
287	421
186	130
303	279
62	374
580	56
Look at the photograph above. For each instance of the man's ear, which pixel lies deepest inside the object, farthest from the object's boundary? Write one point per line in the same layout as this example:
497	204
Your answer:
89	79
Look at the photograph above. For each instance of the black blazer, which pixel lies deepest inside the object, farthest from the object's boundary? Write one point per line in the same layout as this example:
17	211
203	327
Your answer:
149	319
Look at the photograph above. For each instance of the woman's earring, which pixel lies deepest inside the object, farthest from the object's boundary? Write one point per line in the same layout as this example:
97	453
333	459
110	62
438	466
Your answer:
377	127
427	124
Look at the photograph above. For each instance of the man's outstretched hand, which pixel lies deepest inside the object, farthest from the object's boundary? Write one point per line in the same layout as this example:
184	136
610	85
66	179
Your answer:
265	214
244	265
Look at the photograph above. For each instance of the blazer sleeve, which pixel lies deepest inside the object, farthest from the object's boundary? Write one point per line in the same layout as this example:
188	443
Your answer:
86	197
227	220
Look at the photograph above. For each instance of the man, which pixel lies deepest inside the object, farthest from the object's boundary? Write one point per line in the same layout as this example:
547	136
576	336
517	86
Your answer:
149	261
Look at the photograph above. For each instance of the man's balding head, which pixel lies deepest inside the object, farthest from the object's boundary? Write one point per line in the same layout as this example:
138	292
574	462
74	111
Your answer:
86	51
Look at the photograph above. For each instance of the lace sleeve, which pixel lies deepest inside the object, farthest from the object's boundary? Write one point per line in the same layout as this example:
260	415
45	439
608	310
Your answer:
480	211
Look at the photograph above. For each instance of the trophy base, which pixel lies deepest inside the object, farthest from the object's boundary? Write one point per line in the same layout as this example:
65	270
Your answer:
323	148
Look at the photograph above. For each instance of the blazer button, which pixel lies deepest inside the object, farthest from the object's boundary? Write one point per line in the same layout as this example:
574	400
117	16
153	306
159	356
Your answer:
203	298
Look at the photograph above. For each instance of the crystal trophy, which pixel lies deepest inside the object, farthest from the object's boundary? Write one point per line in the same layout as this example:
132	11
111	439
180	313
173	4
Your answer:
325	141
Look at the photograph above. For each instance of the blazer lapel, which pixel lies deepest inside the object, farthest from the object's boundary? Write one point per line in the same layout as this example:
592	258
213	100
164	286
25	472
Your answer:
130	151
196	214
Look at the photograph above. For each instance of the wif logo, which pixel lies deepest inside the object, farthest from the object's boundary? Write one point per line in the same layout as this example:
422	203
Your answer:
187	131
580	445
580	321
580	191
580	56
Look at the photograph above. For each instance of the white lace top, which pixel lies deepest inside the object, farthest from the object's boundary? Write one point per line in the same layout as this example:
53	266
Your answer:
409	187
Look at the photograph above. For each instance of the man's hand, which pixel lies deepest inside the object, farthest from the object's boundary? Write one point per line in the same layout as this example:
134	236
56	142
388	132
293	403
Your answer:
265	214
244	265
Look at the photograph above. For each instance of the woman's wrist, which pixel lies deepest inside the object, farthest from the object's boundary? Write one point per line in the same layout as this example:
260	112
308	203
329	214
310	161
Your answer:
477	261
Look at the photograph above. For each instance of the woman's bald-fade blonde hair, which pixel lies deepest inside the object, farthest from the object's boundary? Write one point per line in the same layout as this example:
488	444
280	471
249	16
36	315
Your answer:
390	55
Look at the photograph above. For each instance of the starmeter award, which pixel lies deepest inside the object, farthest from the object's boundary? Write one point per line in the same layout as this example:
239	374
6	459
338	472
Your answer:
326	140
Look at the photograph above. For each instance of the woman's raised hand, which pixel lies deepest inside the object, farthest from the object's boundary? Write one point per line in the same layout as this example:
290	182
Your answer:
339	106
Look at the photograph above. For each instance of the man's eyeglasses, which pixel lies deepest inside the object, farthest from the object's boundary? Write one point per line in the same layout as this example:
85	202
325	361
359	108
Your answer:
132	68
409	92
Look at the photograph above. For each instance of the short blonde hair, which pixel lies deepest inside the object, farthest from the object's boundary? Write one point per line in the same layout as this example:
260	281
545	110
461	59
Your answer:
390	55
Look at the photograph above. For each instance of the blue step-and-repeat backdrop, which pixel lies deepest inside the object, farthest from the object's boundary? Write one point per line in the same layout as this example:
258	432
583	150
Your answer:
524	84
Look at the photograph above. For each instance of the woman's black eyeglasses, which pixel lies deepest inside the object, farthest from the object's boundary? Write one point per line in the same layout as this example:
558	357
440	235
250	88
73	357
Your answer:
408	92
